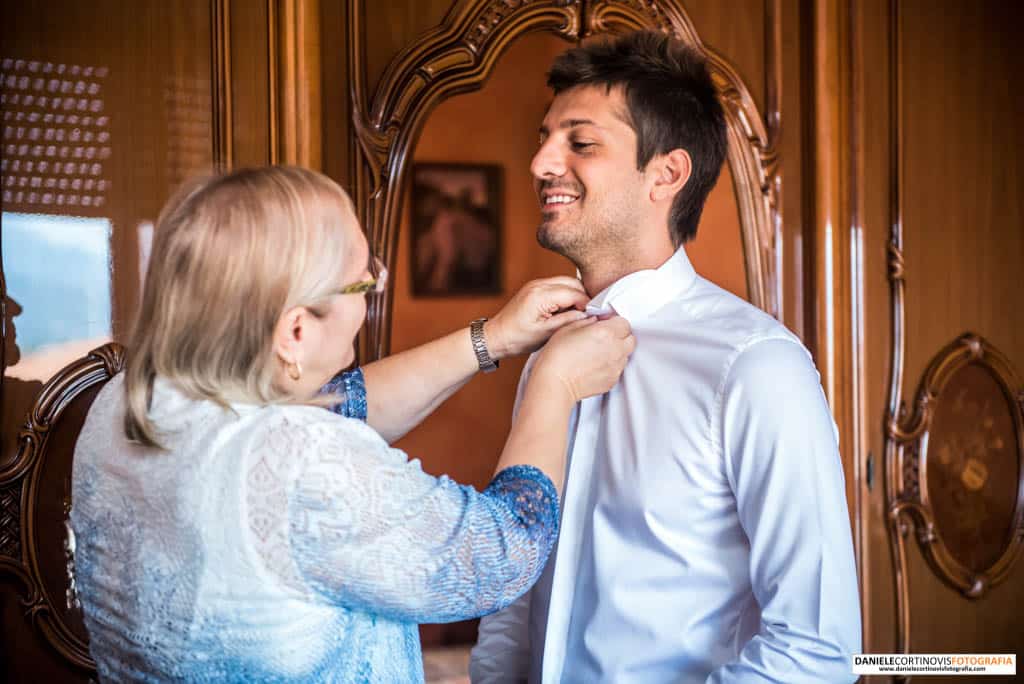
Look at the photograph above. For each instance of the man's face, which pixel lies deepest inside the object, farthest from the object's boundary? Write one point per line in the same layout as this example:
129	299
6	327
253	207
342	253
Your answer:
592	195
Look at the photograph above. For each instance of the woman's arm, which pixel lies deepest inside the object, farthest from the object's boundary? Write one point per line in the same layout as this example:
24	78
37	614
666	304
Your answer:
405	388
582	360
371	531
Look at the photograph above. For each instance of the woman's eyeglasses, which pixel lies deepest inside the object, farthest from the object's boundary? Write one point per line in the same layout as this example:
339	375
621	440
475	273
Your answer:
378	283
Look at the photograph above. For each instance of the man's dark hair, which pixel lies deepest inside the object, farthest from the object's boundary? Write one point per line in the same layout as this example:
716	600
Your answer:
671	103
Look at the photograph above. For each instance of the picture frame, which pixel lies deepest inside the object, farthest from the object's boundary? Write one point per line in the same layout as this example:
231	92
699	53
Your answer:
456	224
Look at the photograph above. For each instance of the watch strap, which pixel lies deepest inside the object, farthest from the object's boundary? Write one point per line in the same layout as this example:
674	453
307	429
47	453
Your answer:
483	357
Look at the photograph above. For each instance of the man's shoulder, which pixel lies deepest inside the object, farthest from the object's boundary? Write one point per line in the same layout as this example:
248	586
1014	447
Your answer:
724	320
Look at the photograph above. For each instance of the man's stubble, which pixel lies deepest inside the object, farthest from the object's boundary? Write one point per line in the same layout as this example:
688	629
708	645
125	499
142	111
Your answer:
588	242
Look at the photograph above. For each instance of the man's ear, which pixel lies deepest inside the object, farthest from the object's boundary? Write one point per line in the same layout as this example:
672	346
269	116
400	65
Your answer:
289	333
672	170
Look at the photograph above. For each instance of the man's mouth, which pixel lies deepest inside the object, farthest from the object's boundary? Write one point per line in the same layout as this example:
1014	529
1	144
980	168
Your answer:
556	200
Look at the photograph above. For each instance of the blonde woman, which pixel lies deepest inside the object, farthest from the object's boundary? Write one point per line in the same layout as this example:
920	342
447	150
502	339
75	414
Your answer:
230	528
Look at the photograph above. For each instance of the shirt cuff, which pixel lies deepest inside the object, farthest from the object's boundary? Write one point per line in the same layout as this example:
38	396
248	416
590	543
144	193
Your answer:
350	388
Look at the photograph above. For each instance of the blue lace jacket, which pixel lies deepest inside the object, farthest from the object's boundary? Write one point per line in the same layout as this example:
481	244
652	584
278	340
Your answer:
284	543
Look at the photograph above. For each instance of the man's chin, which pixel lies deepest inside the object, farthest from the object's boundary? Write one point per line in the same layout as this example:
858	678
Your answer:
560	242
548	237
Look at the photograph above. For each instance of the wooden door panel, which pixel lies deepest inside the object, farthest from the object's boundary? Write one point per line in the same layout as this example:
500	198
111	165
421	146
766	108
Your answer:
963	252
936	117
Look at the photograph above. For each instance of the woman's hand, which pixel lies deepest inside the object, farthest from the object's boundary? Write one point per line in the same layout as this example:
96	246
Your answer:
535	312
580	360
586	357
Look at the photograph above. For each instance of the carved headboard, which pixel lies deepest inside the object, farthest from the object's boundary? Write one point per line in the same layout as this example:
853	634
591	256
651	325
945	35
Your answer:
35	500
458	57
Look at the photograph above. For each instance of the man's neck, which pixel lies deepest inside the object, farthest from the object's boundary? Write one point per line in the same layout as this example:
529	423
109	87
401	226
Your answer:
602	272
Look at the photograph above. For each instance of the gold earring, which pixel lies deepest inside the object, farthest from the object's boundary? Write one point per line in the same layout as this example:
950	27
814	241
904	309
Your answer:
294	370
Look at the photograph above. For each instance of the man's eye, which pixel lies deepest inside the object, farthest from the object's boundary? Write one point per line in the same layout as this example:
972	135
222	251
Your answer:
580	146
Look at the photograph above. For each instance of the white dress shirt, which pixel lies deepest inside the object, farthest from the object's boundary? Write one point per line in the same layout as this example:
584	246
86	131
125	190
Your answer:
705	534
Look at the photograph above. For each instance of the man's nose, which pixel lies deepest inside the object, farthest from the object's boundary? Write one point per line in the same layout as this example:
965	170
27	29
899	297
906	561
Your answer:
548	162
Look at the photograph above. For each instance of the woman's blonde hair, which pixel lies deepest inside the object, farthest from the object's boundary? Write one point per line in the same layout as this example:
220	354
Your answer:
230	254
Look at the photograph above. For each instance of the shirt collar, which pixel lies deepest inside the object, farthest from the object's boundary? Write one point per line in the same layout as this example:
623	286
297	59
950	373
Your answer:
637	295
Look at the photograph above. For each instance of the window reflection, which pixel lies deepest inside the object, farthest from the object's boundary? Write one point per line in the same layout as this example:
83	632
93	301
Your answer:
58	270
56	136
144	231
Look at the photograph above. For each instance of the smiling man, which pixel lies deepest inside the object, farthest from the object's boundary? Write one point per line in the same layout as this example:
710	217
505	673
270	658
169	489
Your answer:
705	535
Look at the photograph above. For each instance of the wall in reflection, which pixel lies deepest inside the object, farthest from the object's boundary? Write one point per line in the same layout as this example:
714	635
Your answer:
498	126
494	126
717	251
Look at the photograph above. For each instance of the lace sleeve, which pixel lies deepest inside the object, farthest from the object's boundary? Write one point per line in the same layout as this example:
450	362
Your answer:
350	388
371	531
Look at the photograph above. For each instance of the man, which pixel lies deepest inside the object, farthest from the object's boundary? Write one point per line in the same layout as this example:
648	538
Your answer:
704	534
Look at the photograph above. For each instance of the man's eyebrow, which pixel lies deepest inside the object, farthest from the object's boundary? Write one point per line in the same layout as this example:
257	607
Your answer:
573	123
570	123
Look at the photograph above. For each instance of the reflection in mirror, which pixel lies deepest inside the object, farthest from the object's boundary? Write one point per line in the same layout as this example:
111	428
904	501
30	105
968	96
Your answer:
16	394
497	127
57	302
57	269
55	242
465	435
504	117
93	141
455	229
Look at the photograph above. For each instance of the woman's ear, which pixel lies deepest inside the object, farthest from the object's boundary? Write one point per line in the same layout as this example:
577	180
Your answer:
672	171
289	334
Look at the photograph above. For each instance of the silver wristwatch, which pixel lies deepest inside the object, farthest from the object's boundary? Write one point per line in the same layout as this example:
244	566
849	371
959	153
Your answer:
483	357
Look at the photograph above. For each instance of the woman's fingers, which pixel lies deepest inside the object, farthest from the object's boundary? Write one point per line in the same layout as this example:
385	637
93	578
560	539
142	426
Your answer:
554	297
565	281
534	313
618	325
588	356
566	319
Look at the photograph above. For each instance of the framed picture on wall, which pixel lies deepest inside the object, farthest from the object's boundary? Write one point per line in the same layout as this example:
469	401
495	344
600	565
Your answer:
456	229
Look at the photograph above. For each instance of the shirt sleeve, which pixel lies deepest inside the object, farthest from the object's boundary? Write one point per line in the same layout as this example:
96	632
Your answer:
502	651
350	388
782	460
369	530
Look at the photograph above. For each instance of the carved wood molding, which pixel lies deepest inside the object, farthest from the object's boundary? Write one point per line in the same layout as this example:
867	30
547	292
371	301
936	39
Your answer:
19	483
897	527
459	55
910	503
